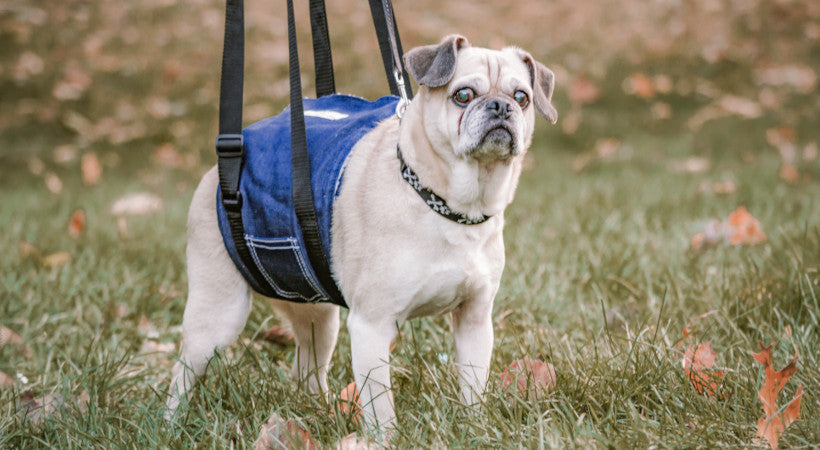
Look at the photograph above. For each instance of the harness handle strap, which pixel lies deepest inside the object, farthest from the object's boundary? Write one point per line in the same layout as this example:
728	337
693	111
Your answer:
322	59
390	47
230	145
300	165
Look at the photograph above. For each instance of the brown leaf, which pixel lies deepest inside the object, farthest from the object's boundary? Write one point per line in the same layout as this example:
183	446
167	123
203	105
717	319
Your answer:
57	259
349	403
168	156
351	442
280	434
743	228
91	169
640	85
136	204
53	183
6	380
77	224
528	375
583	91
772	424
37	408
699	367
694	164
278	335
9	337
27	250
789	174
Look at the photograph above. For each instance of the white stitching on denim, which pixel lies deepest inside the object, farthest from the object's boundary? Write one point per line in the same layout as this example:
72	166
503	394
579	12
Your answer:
251	245
313	283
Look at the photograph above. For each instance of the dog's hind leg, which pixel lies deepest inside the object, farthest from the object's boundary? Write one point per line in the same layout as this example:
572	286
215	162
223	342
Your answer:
218	295
315	328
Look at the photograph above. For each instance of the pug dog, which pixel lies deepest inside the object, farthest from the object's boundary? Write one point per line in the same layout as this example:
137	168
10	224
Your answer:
395	255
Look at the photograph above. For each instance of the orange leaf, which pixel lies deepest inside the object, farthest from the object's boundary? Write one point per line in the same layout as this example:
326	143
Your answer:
772	424
528	374
583	91
77	224
278	335
91	169
699	367
789	174
640	85
349	402
280	434
743	228
56	259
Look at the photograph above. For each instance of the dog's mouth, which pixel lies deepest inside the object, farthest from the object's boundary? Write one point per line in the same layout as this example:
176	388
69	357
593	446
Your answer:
498	143
497	136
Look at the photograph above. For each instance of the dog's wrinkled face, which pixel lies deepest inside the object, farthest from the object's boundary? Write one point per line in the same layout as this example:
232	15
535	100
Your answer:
480	103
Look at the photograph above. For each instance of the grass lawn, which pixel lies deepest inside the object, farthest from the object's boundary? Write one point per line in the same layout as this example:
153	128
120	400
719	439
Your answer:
600	281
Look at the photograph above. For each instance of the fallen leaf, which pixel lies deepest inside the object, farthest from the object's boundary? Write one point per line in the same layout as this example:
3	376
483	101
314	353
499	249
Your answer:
740	106
6	380
528	375
91	169
743	228
168	156
349	403
77	224
56	259
810	152
27	250
53	183
9	337
37	408
640	85
136	204
280	434
572	120
36	166
583	91
147	329
278	335
351	442
660	111
789	174
772	424
740	228
699	367
694	164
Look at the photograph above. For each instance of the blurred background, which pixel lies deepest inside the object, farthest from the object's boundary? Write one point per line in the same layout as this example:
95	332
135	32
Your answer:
136	83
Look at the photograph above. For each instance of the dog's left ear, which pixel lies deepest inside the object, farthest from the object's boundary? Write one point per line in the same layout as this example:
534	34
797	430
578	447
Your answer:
543	83
434	65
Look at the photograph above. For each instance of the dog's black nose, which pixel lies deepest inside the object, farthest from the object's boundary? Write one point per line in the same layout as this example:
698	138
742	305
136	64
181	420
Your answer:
500	108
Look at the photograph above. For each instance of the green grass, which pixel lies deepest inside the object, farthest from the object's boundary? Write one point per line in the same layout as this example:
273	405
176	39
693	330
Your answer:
600	280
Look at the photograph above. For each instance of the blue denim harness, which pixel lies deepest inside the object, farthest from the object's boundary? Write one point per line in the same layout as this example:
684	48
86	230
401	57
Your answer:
334	124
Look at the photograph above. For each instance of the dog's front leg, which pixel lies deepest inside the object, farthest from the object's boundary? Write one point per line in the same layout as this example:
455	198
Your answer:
473	327
370	339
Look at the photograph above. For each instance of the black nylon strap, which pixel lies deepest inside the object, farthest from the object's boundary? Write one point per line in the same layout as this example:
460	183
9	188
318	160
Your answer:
322	59
302	191
380	23
229	143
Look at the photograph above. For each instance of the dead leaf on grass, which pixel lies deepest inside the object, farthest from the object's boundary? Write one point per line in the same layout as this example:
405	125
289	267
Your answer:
740	228
789	174
699	367
285	435
349	403
528	376
27	250
38	408
136	204
6	380
91	169
583	91
76	224
53	183
773	423
278	335
57	259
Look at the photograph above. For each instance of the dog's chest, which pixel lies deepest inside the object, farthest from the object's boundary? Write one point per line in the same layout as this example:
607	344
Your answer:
454	268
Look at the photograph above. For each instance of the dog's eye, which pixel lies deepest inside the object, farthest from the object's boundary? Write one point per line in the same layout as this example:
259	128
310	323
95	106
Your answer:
521	98
463	96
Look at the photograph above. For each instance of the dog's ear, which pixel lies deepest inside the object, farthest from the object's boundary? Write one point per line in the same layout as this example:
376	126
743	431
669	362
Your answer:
434	65
543	83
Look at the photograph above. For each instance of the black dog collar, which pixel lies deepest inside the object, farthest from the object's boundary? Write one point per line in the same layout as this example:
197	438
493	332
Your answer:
435	202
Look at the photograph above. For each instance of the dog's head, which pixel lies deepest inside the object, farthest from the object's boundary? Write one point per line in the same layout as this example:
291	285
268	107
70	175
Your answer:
480	102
